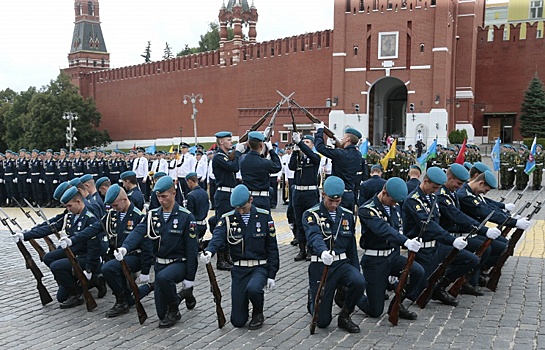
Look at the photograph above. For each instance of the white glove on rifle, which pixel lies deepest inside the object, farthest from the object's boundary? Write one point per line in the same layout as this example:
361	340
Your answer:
459	243
142	279
413	244
270	284
319	126
296	137
88	275
187	284
15	180
28	181
269	146
55	181
327	258
493	233
65	242
241	147
296	148
523	223
205	257
510	207
17	237
42	181
119	253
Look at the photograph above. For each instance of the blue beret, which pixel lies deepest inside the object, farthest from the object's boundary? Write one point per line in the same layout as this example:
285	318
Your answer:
490	179
126	174
334	187
75	182
221	134
68	195
78	149
163	184
308	137
353	132
436	175
256	136
85	178
56	153
539	145
239	196
191	175
376	166
22	150
111	194
35	150
414	166
397	189
481	167
159	174
468	165
49	150
64	149
59	191
459	171
101	181
42	153
523	146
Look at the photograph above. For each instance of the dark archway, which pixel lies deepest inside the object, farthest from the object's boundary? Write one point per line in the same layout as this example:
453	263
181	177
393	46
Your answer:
387	109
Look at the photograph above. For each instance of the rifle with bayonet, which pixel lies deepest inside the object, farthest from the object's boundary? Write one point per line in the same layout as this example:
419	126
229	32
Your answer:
502	199
495	273
320	293
216	292
27	213
37	212
90	302
394	312
47	240
519	195
5	221
30	264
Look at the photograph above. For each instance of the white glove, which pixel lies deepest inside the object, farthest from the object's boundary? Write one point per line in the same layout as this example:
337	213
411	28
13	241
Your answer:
65	242
413	244
523	223
119	253
459	243
241	147
15	180
1	181
187	284
142	279
296	148
269	146
493	233
510	206
146	206
517	216
41	181
296	137
55	181
327	258
319	125
17	236
89	275
270	284
28	181
205	257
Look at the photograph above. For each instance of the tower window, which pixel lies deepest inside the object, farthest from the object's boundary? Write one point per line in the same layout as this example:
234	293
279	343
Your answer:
355	50
90	8
536	9
422	46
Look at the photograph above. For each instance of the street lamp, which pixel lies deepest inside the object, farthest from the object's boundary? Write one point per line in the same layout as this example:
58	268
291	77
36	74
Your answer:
193	99
70	138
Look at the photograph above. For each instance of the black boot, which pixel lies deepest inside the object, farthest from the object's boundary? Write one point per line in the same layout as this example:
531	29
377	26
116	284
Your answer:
100	285
404	313
339	296
73	300
222	264
441	294
120	307
187	295
302	255
345	322
469	289
257	320
171	318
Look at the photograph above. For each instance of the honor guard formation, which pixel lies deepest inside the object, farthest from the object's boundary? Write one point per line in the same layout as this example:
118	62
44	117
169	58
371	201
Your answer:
366	220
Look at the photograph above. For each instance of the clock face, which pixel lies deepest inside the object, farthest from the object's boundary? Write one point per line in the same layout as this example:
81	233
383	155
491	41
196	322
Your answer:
388	45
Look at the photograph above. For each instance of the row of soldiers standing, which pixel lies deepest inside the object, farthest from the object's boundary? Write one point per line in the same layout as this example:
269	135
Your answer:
513	162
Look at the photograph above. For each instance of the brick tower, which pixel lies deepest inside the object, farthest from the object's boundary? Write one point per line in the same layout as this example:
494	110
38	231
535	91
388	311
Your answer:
237	13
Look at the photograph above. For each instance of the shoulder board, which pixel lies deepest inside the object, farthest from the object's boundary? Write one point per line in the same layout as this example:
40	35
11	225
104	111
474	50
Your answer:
415	195
182	209
137	211
346	210
370	205
228	214
89	214
315	208
443	191
262	211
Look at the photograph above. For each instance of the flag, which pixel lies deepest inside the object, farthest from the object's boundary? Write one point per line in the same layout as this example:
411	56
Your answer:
171	150
193	149
461	157
531	162
390	155
134	147
495	155
431	152
151	149
364	148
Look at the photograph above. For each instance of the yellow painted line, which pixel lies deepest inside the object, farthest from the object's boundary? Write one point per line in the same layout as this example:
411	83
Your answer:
532	243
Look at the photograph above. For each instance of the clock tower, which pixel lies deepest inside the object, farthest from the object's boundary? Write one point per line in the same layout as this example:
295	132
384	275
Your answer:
87	49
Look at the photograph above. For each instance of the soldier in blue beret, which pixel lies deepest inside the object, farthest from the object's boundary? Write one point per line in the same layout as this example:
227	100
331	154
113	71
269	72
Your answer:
63	166
102	186
382	235
521	178
50	178
35	169
250	235
115	166
77	168
154	202
331	239
370	187
91	165
23	177
10	169
414	178
173	232
88	190
130	184
436	241
197	202
476	169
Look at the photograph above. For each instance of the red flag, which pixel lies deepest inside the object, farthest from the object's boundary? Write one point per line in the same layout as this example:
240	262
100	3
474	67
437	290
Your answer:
461	157
134	147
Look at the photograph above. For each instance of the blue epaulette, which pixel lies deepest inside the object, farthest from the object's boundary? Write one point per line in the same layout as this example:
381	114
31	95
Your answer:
346	210
182	209
262	211
137	211
228	213
315	208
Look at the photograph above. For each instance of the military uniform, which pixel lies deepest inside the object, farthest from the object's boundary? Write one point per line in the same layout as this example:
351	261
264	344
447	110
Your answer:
538	172
50	174
10	170
23	169
224	171
197	203
521	178
505	169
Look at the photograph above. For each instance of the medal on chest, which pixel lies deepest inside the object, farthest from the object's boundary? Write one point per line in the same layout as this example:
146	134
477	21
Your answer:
175	223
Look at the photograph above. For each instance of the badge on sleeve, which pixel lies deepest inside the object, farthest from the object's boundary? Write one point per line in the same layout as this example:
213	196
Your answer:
448	202
417	207
310	219
272	230
192	229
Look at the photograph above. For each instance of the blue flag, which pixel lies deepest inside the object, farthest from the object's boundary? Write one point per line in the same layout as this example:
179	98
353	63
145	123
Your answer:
364	148
531	162
495	155
431	152
151	149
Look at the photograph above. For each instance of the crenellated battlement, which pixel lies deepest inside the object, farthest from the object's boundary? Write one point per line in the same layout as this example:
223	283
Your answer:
526	32
385	6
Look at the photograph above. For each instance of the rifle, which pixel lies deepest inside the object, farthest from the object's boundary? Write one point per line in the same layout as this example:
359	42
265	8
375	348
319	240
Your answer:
45	297
5	221
89	300
507	195
519	195
269	129
27	213
39	215
495	273
216	292
47	240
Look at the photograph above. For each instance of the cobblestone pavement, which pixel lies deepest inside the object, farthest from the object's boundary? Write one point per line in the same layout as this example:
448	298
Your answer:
510	318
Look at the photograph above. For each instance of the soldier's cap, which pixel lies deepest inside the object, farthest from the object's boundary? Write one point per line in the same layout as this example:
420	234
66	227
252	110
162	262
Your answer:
256	136
9	151
523	146
159	174
437	175
199	152
132	151
42	153
48	150
476	147
59	191
74	182
2	154
57	153
198	145
409	146
22	150
36	150
64	149
353	132
191	175
459	171
68	195
184	145
86	151
222	134
101	181
78	149
334	187
490	179
281	151
481	167
126	174
163	184
308	137
376	166
397	189
72	152
539	145
468	165
85	178
414	166
111	194
239	196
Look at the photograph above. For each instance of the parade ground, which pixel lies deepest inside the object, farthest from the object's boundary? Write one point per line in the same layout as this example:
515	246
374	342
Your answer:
510	318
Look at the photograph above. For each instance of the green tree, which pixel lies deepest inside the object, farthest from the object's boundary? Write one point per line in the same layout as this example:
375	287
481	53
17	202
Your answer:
532	111
147	53
209	41
167	52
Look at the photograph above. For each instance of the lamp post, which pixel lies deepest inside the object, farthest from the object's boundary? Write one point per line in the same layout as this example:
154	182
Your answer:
193	99
70	138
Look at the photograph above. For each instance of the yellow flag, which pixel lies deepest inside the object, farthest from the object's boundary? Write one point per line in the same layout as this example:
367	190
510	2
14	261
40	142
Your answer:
171	150
390	155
